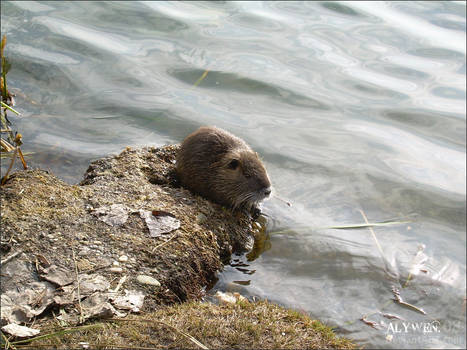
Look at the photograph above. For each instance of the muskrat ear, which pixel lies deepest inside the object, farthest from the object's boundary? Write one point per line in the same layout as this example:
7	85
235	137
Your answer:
233	164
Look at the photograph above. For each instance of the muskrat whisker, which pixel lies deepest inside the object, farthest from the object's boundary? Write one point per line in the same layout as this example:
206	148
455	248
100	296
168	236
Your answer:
282	200
239	201
246	199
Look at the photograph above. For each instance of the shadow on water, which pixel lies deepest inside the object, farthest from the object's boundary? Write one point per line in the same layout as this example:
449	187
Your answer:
233	82
341	9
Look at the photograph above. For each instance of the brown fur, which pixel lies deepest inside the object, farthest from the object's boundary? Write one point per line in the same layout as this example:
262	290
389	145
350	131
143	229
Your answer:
223	168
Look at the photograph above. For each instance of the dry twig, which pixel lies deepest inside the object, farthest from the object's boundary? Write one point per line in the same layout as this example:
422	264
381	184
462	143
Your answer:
4	261
81	315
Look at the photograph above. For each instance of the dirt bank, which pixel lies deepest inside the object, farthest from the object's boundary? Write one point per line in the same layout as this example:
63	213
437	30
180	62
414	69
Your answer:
125	240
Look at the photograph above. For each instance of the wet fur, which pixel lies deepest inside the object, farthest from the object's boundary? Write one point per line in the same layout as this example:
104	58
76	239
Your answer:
223	168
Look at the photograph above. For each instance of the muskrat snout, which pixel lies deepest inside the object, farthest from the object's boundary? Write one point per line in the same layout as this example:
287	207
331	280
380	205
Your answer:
262	194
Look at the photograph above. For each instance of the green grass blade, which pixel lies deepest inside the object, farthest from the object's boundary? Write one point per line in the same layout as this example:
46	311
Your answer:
364	225
10	108
201	78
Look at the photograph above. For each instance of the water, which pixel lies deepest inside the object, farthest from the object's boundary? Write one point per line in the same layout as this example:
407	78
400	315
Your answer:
356	108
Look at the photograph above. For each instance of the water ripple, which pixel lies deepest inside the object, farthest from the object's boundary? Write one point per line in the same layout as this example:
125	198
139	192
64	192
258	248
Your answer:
352	105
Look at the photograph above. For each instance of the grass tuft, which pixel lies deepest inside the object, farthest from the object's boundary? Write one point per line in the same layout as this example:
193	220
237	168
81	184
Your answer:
197	325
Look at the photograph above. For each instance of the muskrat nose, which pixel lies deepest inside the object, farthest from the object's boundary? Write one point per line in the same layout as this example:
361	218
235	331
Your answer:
267	191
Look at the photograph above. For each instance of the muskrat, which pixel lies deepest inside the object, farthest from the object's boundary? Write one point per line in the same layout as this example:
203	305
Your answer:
223	168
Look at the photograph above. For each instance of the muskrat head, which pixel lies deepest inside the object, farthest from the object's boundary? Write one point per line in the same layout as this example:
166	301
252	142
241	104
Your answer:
245	180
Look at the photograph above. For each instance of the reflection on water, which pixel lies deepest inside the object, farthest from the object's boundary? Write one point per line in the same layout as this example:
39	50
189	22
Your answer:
354	106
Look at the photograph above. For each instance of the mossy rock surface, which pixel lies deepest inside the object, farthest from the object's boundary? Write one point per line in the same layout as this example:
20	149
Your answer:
47	219
42	214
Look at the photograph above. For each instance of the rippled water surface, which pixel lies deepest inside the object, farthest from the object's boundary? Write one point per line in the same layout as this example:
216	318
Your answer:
357	108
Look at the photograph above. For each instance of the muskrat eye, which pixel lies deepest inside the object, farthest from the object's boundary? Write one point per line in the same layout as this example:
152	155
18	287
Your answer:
233	164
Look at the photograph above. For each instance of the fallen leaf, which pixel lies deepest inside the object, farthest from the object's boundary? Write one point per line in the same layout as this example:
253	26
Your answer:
159	224
57	275
115	215
370	323
20	331
132	300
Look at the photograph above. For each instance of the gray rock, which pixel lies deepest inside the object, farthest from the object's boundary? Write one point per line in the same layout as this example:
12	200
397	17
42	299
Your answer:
143	279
